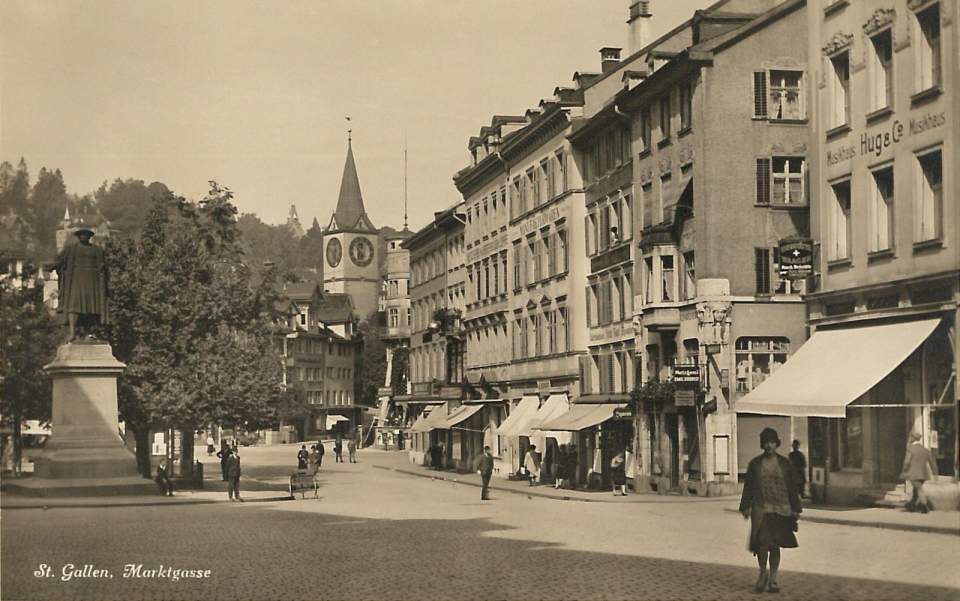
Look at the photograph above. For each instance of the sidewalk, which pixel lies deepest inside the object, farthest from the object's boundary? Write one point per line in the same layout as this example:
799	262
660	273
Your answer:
940	522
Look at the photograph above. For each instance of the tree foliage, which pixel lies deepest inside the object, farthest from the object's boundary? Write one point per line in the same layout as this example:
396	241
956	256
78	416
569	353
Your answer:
28	342
185	318
126	203
372	368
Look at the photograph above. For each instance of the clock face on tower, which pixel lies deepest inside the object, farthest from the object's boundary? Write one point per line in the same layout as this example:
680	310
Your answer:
334	252
361	251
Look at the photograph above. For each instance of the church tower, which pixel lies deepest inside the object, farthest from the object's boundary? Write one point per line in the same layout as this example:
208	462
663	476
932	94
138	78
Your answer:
350	246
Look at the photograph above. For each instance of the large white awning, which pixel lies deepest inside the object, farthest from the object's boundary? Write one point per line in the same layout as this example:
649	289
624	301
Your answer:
834	368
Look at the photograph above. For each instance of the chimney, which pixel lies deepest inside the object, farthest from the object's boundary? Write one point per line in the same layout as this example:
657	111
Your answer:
609	59
640	25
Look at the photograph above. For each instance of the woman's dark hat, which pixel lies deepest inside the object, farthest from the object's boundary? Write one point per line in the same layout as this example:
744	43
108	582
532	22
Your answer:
769	435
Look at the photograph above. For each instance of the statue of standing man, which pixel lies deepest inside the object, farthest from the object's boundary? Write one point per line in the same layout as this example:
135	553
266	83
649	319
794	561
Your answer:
82	275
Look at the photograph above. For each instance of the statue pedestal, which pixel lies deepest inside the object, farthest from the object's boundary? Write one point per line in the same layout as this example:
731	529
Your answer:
85	454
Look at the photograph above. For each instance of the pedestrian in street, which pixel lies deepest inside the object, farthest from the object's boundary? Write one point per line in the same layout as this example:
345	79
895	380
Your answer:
915	464
799	462
618	473
572	462
163	478
561	466
338	449
313	467
320	452
210	445
224	455
532	464
485	467
303	455
352	450
771	503
233	476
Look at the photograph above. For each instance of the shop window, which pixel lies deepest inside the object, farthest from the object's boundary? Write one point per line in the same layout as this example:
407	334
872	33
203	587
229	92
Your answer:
786	97
881	210
840	225
840	90
846	440
928	48
928	214
881	66
757	359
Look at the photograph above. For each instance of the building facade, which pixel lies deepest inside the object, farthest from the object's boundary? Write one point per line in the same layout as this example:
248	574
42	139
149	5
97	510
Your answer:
883	166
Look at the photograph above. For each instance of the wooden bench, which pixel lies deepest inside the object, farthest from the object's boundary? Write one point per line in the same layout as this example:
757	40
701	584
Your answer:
302	481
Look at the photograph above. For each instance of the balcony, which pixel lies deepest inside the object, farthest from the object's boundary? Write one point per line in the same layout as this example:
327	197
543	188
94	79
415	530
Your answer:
659	317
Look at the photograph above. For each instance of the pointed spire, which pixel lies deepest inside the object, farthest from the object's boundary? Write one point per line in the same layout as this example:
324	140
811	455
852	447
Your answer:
66	214
350	212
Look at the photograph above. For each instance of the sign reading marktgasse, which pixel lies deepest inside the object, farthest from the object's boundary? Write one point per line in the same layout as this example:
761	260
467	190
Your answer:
796	258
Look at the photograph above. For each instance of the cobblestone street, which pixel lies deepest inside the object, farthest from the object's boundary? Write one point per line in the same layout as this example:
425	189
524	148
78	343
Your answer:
377	534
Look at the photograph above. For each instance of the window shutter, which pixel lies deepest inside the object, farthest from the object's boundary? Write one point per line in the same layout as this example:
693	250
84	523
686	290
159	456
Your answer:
763	181
590	296
585	367
762	268
760	94
611	374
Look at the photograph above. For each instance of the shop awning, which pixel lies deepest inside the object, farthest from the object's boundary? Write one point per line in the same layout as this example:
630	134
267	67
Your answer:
580	417
459	415
834	368
332	420
555	405
520	417
429	422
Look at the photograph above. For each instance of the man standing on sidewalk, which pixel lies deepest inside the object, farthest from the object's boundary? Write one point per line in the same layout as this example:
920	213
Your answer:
485	467
233	476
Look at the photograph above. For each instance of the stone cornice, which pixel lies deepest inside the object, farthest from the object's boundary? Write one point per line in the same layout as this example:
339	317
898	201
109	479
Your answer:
878	20
839	41
918	4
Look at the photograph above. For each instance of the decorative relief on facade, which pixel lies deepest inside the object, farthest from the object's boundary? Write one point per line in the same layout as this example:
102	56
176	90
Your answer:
686	156
776	148
878	20
713	321
839	41
646	176
664	166
799	147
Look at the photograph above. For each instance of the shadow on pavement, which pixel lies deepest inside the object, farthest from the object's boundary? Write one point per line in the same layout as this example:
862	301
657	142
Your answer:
265	553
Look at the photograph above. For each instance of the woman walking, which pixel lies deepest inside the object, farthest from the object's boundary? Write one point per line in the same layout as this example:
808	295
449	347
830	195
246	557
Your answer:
532	464
224	455
618	473
915	464
771	502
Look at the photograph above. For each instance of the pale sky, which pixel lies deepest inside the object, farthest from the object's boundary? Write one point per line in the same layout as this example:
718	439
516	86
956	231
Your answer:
255	94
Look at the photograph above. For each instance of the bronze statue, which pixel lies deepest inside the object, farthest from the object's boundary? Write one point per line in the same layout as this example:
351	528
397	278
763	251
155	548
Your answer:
82	275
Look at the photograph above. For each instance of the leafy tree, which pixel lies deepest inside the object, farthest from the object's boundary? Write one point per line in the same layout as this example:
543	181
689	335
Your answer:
14	188
193	331
126	203
371	369
48	199
311	249
274	243
28	343
400	371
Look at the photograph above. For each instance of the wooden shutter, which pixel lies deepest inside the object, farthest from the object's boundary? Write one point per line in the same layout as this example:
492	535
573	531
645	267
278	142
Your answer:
763	181
762	269
585	369
760	94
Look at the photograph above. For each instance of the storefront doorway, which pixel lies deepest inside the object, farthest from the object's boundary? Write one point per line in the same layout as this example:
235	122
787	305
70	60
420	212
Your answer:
893	427
673	440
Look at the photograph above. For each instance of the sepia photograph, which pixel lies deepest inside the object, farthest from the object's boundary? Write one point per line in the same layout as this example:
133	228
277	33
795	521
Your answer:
500	300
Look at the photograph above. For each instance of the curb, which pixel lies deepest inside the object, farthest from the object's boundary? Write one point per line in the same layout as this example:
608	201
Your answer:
5	507
873	524
532	493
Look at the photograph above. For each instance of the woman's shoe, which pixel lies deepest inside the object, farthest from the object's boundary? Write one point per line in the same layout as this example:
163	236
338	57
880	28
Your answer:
761	584
773	588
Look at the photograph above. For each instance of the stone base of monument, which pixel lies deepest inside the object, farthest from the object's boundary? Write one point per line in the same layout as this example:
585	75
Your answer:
84	455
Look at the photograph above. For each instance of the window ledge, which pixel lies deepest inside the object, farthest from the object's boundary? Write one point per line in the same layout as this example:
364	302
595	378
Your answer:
838	263
837	131
685	131
644	153
788	207
927	245
663	143
835	7
879	114
802	121
927	95
879	255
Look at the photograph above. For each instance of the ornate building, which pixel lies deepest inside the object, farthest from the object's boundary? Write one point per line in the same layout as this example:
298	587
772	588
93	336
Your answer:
350	245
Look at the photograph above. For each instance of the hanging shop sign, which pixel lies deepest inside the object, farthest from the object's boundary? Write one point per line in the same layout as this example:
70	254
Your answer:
624	413
686	374
796	258
684	398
